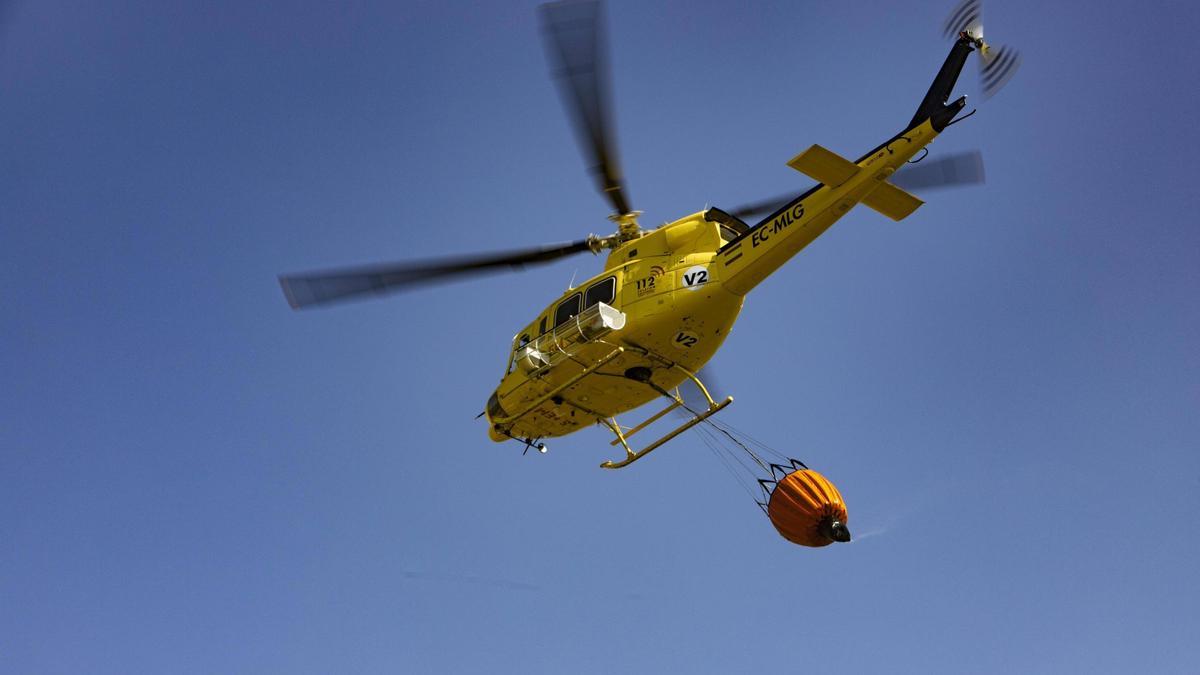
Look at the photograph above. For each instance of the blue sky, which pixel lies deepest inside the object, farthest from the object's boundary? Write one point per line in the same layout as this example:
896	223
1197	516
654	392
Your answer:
196	479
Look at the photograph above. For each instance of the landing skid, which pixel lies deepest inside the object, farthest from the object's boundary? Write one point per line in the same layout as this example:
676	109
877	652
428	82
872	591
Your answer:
676	403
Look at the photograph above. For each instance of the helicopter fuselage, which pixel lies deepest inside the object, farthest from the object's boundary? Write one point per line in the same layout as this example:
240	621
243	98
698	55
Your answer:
667	300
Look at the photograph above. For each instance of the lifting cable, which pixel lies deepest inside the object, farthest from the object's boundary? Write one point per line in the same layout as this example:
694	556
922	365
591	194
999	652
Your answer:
711	433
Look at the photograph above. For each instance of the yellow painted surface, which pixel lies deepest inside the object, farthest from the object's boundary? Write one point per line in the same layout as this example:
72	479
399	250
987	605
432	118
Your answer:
681	292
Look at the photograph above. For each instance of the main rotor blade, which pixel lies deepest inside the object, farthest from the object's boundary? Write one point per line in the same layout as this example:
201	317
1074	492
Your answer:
964	168
691	395
763	206
307	290
575	44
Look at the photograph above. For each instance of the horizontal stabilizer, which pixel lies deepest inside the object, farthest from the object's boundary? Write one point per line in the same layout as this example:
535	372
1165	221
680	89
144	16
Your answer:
891	201
824	166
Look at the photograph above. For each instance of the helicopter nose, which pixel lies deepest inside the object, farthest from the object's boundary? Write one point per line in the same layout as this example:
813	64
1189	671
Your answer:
493	411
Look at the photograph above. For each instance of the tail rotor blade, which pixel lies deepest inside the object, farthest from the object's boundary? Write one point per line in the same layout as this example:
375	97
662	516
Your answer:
966	17
997	65
996	68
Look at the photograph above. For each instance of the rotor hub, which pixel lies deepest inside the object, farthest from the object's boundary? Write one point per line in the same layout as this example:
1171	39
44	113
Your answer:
627	225
976	38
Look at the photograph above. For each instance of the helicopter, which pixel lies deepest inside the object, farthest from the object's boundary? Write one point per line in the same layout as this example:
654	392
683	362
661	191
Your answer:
667	298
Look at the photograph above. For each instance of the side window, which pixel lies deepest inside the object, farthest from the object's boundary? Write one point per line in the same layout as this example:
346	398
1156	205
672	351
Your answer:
542	327
568	309
601	291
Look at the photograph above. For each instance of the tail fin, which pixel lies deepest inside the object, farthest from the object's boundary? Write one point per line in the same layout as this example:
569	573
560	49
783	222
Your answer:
934	107
824	166
832	169
892	202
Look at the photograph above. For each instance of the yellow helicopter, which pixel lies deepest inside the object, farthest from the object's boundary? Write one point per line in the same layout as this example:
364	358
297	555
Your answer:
668	297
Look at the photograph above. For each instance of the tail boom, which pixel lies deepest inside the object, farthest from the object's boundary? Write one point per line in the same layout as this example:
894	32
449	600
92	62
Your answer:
753	256
748	260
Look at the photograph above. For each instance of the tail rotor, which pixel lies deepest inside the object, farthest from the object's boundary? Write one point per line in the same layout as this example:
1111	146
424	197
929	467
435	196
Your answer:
998	64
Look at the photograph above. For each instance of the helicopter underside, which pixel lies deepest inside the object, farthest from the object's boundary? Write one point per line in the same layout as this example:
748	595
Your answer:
663	341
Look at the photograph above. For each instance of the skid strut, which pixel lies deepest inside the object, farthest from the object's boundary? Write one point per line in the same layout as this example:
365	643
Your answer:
676	402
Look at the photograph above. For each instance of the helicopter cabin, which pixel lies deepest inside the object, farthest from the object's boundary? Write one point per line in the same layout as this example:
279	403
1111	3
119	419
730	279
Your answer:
579	361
